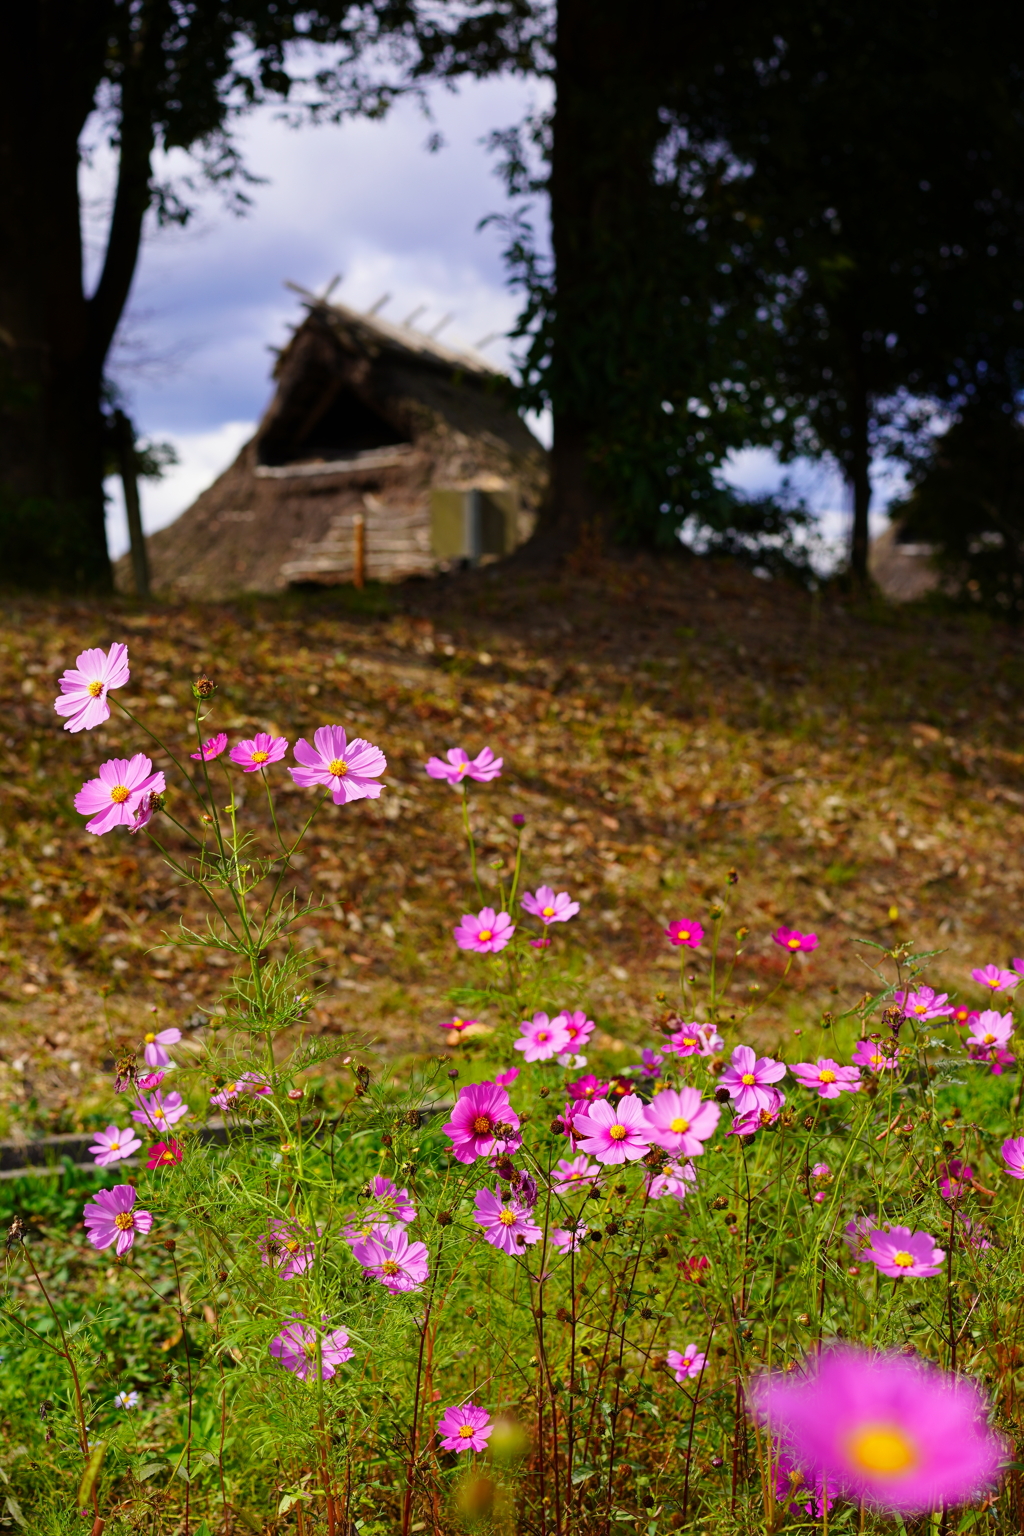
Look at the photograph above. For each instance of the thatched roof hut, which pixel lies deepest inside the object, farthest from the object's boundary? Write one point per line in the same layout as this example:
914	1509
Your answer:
377	436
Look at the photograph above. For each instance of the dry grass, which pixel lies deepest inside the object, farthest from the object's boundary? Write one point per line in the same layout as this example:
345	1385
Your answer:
659	726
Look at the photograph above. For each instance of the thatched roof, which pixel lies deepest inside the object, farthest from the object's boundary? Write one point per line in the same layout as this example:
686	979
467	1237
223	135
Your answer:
369	420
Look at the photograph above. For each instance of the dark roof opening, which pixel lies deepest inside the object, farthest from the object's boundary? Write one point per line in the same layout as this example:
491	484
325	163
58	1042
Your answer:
337	427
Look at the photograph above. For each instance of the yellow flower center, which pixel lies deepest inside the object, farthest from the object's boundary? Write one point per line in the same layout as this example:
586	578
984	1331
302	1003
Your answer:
158	1114
883	1449
95	688
541	1036
310	1348
575	1176
903	1259
167	1157
292	1246
679	1125
338	767
465	1431
920	1008
507	1218
261	757
124	1221
485	934
793	943
989	1039
119	794
149	1039
115	1146
547	912
689	1039
389	1267
618	1133
482	1125
748	1079
826	1075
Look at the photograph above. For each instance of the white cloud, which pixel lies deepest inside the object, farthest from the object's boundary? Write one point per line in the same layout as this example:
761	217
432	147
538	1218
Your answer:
202	456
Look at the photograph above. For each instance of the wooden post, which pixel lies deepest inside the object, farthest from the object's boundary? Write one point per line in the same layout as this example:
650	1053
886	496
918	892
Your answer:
125	433
359	549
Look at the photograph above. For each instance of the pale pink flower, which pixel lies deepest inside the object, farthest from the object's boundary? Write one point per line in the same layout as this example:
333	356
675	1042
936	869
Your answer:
349	769
577	1026
792	940
112	1218
686	1366
923	1004
145	810
685	935
389	1256
510	1226
681	1122
902	1253
549	907
820	1171
827	1077
569	1239
614	1135
160	1110
990	1029
460	766
869	1053
857	1233
671	1181
748	1080
483	1121
485	933
575	1173
287	1249
248	1083
211	748
464	1427
1013	1156
153	1047
995	978
112	1145
296	1348
540	1038
84	687
258	752
113	799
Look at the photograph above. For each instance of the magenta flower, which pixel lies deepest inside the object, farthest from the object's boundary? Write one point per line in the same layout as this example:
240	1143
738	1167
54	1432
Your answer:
869	1053
286	1249
1013	1157
685	935
541	1038
145	810
84	687
857	1233
898	1251
794	941
549	907
988	1029
349	769
296	1348
258	752
112	1218
389	1256
464	1427
153	1050
164	1154
791	1480
569	1239
680	1122
820	1171
577	1026
687	1040
508	1227
995	978
504	1079
112	1145
540	943
923	1004
458	1026
755	1120
249	1082
460	767
894	1432
748	1080
575	1173
614	1134
213	748
956	1179
827	1076
160	1110
973	1233
483	1121
485	933
671	1181
588	1088
687	1365
113	798
387	1203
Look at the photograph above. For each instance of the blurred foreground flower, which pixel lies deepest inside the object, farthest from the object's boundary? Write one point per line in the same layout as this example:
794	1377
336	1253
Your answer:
894	1432
464	1428
1013	1156
84	687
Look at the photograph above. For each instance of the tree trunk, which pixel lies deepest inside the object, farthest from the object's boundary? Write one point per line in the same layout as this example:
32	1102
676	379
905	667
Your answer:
859	479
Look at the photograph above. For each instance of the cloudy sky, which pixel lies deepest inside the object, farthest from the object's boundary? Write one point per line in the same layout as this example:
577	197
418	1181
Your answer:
366	201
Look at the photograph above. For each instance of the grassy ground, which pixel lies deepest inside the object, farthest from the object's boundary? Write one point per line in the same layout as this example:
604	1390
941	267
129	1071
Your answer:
862	769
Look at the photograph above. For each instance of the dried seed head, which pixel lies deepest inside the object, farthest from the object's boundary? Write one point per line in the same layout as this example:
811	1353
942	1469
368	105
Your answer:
203	688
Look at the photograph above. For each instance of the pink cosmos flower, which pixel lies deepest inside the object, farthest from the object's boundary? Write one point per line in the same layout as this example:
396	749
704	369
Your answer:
464	1427
84	687
680	1122
349	769
549	907
827	1076
248	1083
258	752
588	1088
147	1081
569	1239
900	1252
990	1028
160	1110
146	809
385	1201
869	1053
154	1052
112	1145
671	1181
164	1154
820	1171
286	1249
503	1079
961	1016
540	943
923	1004
483	1121
1013	1156
485	933
748	1080
212	748
650	1063
460	767
113	799
684	935
614	1134
508	1227
296	1348
577	1026
891	1431
758	1119
794	941
575	1173
857	1233
686	1366
693	1040
458	1026
995	978
389	1256
791	1479
973	1233
996	1056
541	1038
112	1218
956	1179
